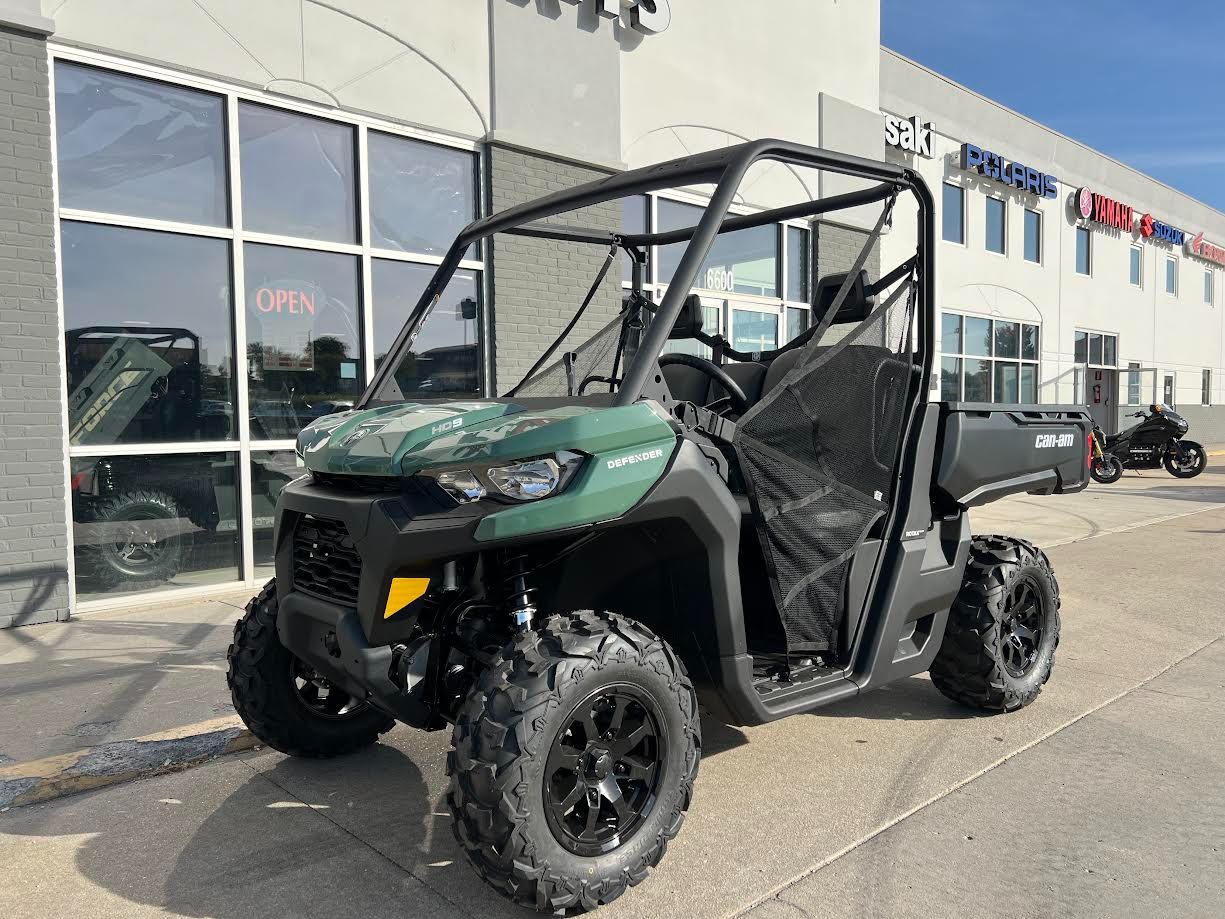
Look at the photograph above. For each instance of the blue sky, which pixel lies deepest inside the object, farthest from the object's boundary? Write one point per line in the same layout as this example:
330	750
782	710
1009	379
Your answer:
1140	80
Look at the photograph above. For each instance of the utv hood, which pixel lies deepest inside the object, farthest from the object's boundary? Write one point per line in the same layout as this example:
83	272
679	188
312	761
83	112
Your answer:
404	439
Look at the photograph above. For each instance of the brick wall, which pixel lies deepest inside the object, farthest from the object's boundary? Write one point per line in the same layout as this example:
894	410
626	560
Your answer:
538	284
33	531
837	248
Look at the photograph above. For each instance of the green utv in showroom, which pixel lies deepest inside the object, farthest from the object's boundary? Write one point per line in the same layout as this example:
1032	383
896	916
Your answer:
560	573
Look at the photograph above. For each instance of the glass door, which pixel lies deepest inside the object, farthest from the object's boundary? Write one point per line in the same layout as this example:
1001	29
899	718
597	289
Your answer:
754	326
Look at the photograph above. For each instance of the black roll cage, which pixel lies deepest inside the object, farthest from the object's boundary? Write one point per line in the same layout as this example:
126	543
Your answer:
725	168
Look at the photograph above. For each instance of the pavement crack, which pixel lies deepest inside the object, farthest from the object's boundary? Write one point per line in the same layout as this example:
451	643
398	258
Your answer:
362	842
777	892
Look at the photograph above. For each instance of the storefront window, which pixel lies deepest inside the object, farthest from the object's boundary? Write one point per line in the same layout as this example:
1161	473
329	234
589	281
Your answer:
445	359
797	264
303	340
996	361
743	262
421	195
152	344
754	331
131	146
149	523
148	340
634	210
298	175
797	322
271	470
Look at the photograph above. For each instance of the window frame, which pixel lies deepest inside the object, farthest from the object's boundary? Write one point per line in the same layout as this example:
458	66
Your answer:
1087	235
1209	287
1003	203
1171	261
241	443
1205	387
992	359
1038	216
1138	251
963	242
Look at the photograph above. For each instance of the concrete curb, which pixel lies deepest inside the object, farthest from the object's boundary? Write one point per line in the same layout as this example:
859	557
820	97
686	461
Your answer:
122	761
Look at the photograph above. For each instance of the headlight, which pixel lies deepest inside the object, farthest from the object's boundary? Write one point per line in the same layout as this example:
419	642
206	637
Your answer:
527	481
461	485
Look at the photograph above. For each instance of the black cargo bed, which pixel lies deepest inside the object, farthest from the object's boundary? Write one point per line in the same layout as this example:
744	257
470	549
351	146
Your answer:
988	451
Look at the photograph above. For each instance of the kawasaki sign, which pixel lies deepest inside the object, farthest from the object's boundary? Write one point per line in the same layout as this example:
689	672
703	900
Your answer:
911	135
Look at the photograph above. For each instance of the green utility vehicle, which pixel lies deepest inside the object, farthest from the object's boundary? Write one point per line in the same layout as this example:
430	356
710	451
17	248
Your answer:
560	573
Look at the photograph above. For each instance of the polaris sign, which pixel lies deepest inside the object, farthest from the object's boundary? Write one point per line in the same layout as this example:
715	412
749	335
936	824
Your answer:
995	166
911	135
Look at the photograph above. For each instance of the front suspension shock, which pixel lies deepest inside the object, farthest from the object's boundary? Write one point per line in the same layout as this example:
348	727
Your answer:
520	597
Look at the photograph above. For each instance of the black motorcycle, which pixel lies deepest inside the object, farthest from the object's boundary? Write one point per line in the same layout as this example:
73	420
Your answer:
1154	442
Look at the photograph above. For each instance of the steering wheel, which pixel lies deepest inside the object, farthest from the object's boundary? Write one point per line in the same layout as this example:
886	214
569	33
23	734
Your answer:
735	397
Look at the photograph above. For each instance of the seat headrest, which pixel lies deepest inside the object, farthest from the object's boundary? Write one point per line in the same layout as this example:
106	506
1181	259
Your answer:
689	320
855	308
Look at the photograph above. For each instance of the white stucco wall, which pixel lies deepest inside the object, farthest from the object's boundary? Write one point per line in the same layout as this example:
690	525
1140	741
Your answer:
1180	335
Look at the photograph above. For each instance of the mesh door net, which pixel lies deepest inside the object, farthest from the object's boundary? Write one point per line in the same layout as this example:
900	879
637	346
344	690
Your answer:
819	454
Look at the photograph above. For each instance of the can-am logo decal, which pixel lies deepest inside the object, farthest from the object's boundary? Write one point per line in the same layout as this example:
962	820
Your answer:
363	430
634	458
1054	440
912	135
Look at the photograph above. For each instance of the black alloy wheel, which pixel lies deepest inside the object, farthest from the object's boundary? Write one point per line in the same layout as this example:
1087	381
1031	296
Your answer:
603	774
1187	462
999	643
1106	469
322	698
1021	632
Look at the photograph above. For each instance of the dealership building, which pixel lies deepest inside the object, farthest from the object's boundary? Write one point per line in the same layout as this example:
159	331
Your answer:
215	216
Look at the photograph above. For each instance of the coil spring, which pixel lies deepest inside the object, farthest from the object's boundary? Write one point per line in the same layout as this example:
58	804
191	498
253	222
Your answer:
519	596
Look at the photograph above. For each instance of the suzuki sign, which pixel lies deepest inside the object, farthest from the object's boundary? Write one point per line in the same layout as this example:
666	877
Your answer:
910	135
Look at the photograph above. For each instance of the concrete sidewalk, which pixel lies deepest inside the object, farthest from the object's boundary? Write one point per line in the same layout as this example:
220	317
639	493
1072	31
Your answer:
1105	797
106	678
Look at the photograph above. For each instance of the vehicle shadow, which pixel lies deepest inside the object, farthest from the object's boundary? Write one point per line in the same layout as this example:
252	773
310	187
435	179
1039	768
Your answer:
367	834
911	699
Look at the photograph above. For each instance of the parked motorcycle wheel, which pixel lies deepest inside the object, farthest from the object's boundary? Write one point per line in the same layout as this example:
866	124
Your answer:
1189	463
1106	469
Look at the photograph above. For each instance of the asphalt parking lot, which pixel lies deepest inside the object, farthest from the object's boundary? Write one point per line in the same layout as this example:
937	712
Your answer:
1104	798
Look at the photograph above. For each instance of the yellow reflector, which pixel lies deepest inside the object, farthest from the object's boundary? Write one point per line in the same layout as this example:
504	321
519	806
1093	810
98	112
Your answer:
402	592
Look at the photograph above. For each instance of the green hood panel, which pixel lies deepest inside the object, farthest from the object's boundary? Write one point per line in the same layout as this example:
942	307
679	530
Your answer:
608	485
376	441
405	439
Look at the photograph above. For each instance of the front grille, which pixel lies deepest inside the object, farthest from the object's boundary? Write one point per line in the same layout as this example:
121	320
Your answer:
325	561
362	483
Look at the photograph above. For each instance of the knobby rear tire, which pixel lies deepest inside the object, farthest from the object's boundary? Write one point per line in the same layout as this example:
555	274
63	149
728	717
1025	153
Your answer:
969	667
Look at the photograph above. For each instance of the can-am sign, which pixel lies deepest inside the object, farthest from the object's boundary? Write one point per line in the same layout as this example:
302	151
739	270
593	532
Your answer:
646	16
995	166
910	134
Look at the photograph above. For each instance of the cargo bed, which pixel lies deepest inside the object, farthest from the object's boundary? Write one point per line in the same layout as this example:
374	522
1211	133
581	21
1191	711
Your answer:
988	451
